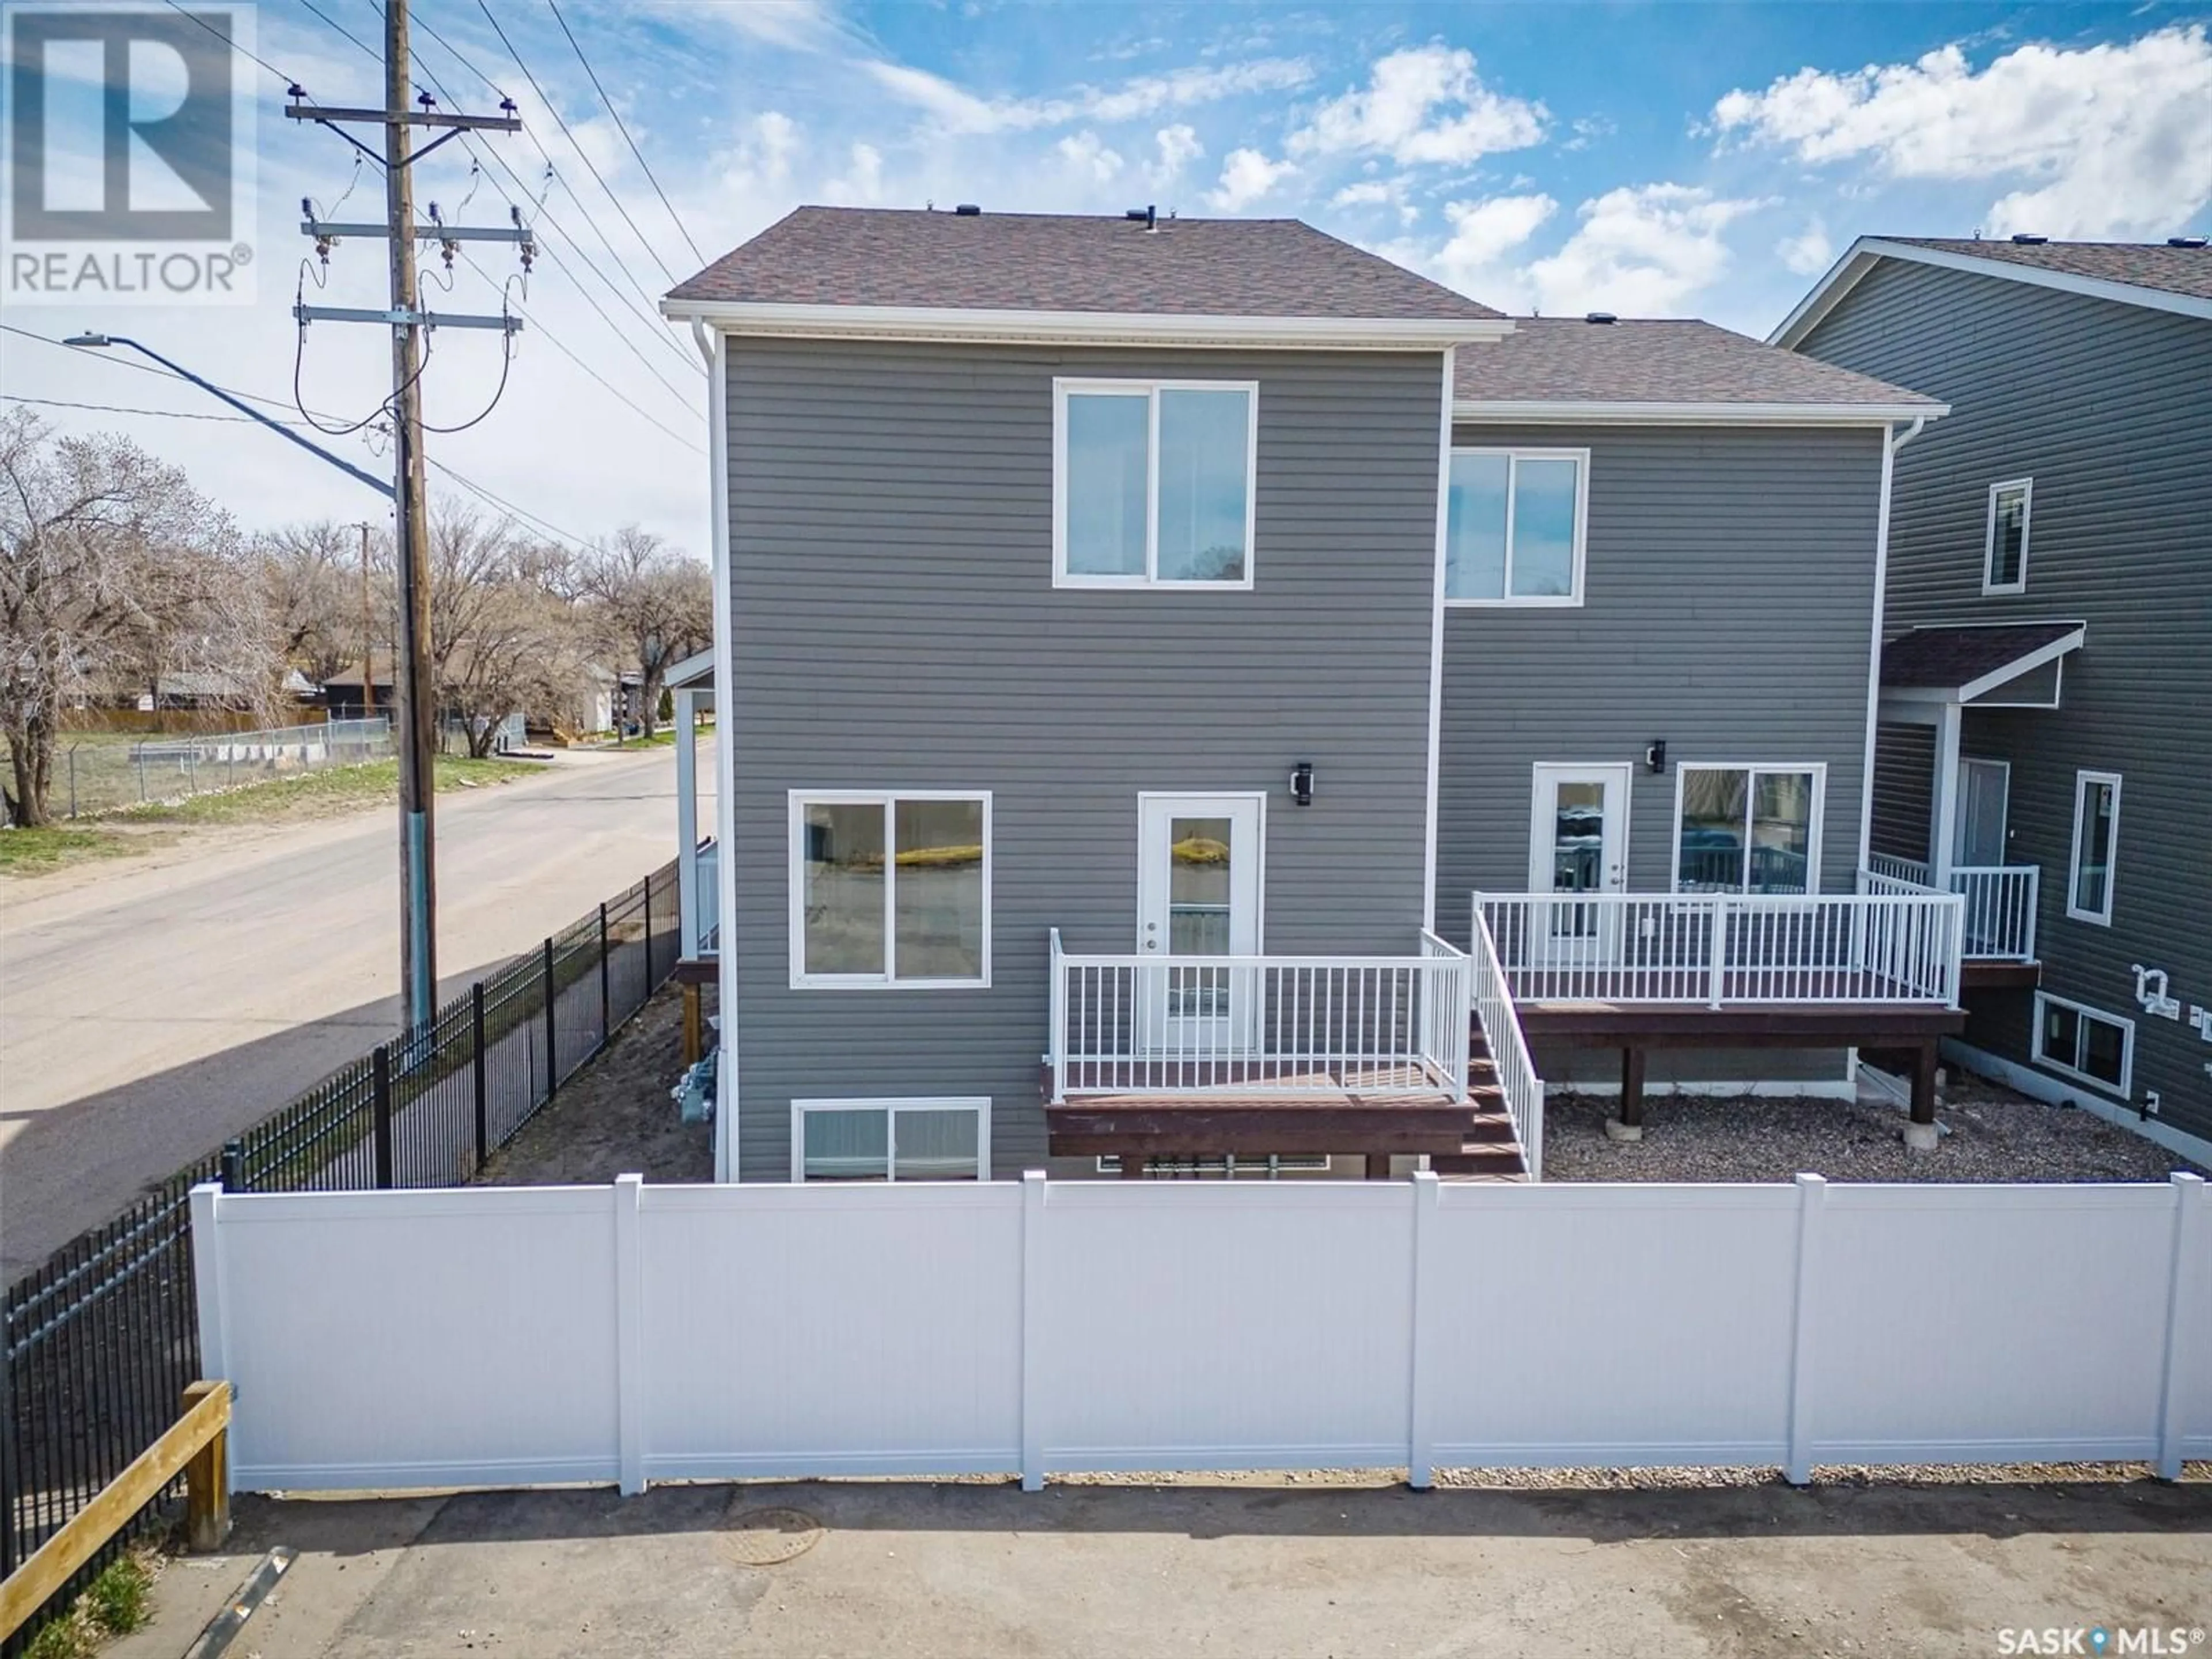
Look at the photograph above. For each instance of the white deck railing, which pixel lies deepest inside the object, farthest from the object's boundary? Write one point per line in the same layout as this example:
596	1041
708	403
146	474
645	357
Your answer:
1492	995
1728	949
1260	1025
2000	902
706	909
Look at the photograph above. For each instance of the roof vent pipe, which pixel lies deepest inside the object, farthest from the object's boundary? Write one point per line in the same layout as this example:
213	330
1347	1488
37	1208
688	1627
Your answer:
1151	216
2184	241
969	210
2025	240
1600	317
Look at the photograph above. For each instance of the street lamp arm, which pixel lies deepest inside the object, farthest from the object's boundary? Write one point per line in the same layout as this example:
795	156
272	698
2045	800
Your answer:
379	485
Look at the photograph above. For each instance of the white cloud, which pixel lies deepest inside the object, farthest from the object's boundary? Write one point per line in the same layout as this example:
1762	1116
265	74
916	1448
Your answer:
1370	192
960	110
1083	151
1247	176
2108	140
862	183
1422	104
764	150
1809	252
1640	251
1179	147
1487	236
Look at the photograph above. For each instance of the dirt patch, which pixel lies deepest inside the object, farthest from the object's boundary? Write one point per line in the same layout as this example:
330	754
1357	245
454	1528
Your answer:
615	1116
1991	1133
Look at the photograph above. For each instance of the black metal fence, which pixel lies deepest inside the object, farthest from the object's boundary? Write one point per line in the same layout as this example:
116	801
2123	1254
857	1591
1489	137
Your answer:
102	1340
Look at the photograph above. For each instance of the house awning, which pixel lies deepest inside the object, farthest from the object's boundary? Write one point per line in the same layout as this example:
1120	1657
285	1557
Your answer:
693	674
2004	664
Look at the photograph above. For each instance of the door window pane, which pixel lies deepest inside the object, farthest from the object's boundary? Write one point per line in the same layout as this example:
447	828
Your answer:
846	1145
1578	838
1544	493
936	1144
1108	489
937	888
1199	851
1204	476
1475	531
844	897
1709	855
1781	832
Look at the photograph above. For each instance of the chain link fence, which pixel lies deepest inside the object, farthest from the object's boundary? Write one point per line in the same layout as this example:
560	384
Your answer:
95	773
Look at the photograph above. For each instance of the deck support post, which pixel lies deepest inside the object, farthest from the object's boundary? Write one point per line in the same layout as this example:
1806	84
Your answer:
1378	1166
1133	1166
694	1026
1627	1124
1920	1131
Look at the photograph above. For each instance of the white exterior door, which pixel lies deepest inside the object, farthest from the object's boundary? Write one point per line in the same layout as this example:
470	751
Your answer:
1198	883
1578	843
1985	789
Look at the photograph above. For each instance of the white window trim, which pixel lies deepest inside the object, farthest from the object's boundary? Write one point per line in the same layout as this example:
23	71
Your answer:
2099	918
799	800
2125	1086
891	1107
2027	488
1820	771
1516	455
1149	390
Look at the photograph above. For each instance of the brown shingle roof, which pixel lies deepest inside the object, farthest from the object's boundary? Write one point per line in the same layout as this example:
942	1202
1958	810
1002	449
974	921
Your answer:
824	256
1568	360
1953	656
2185	270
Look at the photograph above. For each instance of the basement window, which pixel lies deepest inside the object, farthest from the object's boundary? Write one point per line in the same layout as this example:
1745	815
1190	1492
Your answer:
912	1139
2095	1048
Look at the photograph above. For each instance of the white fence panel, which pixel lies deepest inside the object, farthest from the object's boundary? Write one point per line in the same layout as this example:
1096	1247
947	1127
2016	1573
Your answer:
1589	1325
1266	1325
841	1330
1991	1324
510	1337
464	1337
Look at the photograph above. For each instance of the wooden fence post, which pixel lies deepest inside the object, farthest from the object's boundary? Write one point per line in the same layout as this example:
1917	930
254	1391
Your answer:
207	1481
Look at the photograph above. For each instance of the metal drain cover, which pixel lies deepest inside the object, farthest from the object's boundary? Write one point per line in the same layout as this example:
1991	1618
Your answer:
768	1537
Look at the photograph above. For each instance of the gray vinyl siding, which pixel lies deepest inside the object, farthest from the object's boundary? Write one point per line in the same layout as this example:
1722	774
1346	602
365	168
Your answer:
2108	407
1904	785
895	625
1728	609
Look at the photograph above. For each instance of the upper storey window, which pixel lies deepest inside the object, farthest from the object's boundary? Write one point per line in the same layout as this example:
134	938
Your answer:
1515	526
1153	483
2004	548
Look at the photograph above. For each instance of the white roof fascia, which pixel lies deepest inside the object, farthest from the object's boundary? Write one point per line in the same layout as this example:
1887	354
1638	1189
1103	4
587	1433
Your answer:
1846	273
1095	327
1598	411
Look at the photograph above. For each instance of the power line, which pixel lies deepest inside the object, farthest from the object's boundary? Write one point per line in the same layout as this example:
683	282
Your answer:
554	340
508	507
194	17
623	127
340	28
560	121
122	409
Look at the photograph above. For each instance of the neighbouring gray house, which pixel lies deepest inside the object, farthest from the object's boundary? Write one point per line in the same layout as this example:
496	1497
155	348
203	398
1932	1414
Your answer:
2049	663
1174	670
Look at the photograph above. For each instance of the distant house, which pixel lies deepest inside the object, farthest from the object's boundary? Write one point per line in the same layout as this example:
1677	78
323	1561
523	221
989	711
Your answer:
1207	658
2048	662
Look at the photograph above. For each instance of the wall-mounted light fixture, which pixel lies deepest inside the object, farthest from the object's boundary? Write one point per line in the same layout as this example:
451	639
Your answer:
1654	754
1302	783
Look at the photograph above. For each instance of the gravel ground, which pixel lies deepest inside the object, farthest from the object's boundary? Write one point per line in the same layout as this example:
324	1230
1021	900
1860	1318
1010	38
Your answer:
1994	1134
614	1117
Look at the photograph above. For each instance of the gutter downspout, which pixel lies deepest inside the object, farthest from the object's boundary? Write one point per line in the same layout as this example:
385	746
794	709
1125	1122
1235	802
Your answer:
1892	442
715	349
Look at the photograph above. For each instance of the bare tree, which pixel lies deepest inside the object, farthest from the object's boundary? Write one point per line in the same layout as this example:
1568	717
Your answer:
113	572
651	600
502	640
316	591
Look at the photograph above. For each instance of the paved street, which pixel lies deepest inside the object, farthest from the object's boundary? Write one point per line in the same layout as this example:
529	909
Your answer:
150	1009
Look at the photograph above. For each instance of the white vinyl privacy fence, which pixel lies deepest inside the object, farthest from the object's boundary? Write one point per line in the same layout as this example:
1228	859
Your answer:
630	1333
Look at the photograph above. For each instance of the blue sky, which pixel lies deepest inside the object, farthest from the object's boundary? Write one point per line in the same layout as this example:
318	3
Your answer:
1700	159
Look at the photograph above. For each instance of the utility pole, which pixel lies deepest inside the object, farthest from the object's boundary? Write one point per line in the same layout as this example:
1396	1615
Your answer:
368	633
414	700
